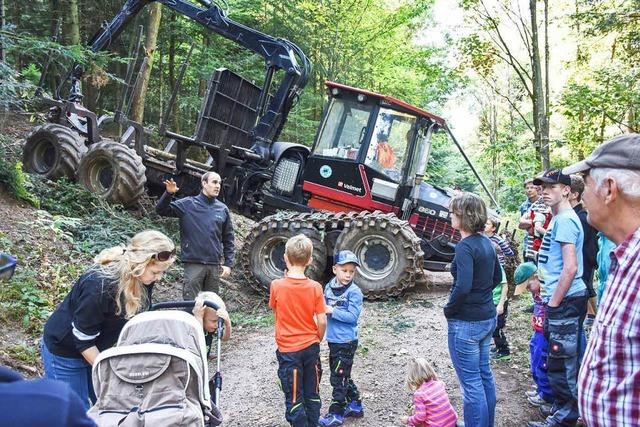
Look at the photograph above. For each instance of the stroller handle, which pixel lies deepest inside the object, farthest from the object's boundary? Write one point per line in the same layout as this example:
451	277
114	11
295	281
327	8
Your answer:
7	266
190	304
181	304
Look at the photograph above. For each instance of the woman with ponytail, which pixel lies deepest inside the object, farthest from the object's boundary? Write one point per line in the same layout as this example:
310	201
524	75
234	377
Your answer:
90	318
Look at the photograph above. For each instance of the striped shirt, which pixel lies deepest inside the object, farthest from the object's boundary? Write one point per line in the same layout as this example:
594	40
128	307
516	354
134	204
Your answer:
432	406
609	381
505	249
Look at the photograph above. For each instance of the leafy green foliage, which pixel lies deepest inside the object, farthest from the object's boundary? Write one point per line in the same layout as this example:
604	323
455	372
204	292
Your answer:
13	91
447	167
24	299
16	180
256	318
25	353
90	223
65	198
360	43
32	74
602	100
81	226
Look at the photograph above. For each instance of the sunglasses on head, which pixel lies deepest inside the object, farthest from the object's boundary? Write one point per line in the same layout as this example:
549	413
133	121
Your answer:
164	255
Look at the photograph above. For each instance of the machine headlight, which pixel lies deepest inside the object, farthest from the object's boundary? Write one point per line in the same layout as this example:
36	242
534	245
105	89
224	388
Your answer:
285	175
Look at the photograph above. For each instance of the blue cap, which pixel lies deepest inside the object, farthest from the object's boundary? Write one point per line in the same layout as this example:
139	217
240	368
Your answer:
346	257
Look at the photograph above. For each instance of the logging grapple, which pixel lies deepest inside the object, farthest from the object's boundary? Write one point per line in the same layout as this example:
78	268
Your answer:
359	187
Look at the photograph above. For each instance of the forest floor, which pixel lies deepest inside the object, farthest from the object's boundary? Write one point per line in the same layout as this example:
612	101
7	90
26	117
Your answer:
391	332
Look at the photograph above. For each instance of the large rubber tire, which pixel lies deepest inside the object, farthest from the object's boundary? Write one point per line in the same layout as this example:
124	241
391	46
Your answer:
262	257
114	172
53	151
389	252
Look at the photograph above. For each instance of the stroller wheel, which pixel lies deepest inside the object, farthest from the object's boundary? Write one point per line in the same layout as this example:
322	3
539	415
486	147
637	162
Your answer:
212	418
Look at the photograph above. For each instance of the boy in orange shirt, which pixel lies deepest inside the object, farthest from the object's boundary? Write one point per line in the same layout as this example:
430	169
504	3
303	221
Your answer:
298	304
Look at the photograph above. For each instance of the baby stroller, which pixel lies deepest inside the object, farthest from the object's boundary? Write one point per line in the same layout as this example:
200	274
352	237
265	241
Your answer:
157	374
7	266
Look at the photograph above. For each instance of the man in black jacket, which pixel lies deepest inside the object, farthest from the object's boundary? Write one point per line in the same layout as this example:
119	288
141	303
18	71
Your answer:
206	234
590	245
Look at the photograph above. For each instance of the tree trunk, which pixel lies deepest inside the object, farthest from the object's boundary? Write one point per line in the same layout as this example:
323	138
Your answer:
541	127
140	91
544	128
14	17
493	142
161	86
206	42
175	122
603	119
72	23
3	56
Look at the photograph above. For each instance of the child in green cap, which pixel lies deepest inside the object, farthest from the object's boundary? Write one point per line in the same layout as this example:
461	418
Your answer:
526	278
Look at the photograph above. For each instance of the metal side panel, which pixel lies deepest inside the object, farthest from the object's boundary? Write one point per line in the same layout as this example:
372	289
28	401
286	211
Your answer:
228	111
384	189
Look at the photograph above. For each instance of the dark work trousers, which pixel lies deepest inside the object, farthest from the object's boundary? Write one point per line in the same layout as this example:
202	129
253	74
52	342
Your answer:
199	278
340	361
563	330
499	337
587	277
299	373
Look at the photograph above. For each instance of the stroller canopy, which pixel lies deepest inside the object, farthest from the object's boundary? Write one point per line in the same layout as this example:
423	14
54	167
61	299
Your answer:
160	352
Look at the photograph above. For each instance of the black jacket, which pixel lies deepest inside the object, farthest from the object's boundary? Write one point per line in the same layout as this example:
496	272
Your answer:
589	246
476	271
206	231
86	317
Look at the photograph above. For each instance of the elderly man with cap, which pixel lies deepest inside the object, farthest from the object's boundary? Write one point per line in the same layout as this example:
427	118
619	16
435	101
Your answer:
609	383
564	295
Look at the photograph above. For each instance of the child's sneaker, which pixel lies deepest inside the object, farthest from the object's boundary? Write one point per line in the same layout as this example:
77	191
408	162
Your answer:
331	420
501	355
531	393
537	401
546	410
354	409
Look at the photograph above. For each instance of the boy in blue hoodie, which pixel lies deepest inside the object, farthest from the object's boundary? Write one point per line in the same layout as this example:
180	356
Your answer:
343	299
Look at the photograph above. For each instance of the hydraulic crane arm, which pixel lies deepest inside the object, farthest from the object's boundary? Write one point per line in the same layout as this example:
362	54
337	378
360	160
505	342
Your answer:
279	54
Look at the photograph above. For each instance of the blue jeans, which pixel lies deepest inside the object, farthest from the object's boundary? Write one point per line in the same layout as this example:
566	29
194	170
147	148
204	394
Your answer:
539	349
469	343
75	372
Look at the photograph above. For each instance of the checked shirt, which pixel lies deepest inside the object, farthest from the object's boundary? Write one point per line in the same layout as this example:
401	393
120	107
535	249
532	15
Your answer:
609	381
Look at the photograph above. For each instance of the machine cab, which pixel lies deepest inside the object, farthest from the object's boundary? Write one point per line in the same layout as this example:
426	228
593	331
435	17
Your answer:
367	152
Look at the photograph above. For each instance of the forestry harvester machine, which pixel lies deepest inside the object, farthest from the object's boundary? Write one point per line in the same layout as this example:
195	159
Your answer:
360	186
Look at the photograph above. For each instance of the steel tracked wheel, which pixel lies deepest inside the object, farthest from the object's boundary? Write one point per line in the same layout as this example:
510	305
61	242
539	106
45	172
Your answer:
114	172
262	258
388	250
53	151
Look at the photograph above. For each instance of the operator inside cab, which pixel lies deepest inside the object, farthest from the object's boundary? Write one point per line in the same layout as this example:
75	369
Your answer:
384	153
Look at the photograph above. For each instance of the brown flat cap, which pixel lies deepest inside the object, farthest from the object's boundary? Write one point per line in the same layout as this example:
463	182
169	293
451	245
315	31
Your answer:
621	152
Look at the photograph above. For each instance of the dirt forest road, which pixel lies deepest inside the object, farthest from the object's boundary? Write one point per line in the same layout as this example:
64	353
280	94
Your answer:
391	333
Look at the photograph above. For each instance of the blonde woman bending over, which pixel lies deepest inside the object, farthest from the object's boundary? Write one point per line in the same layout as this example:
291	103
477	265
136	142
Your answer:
103	299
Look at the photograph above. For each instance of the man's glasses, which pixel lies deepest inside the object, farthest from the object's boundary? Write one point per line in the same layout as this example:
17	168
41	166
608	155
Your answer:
164	255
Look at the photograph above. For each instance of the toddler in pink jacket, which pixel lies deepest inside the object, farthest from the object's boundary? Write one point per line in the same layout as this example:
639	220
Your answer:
430	399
